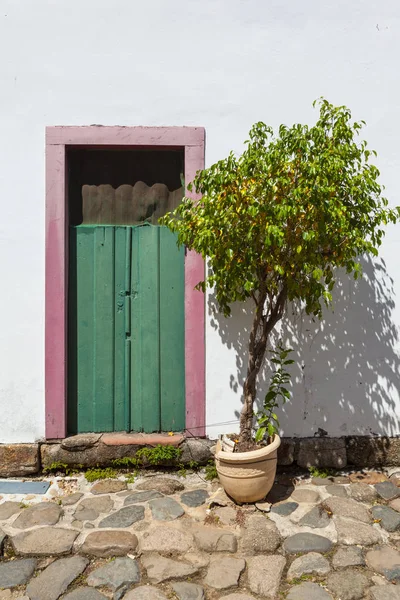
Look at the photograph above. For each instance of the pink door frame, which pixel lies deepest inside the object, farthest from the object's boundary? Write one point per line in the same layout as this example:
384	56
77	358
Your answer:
58	139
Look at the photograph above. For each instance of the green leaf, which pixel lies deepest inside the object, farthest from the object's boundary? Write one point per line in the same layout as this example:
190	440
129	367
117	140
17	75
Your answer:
317	273
260	434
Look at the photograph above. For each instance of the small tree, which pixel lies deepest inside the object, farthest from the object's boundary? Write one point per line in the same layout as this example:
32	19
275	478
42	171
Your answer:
277	221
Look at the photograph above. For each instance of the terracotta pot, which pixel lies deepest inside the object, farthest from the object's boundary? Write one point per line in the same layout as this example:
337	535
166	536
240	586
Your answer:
248	476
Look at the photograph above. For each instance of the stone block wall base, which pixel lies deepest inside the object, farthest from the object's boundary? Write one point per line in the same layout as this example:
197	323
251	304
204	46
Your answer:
338	453
17	460
92	449
89	450
373	452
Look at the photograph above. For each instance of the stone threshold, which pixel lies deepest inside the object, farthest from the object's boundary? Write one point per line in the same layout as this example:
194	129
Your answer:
95	449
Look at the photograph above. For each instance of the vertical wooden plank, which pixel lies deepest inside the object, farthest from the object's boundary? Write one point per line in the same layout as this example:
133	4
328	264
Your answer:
104	300
128	328
120	366
72	382
145	386
81	325
172	332
136	346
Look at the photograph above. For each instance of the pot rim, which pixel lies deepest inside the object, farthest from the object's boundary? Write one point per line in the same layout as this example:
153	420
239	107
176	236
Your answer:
252	456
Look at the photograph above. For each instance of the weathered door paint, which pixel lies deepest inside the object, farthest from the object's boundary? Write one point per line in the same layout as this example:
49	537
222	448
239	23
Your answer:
126	330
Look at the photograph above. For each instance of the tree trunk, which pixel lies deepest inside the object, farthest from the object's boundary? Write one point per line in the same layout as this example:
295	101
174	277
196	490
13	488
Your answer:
263	325
255	360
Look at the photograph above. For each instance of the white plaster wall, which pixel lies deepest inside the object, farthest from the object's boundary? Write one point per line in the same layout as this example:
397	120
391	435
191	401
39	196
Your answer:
222	64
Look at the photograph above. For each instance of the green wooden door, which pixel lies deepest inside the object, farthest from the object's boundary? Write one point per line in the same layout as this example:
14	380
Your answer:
126	330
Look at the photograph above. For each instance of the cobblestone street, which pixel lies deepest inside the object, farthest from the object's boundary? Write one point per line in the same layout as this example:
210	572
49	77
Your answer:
169	537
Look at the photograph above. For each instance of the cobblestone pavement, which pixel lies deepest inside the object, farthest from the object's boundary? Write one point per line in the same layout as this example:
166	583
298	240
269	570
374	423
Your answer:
166	537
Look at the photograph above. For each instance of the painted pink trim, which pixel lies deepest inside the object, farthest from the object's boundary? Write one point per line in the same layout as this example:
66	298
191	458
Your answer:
194	318
125	136
192	139
55	294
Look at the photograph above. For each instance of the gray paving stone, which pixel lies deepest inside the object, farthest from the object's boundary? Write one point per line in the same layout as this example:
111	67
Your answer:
125	517
215	540
165	509
194	497
71	499
348	508
306	542
109	543
260	536
395	504
120	572
389	518
188	591
392	575
349	586
309	563
338	490
200	559
145	592
383	559
350	556
316	518
44	513
166	539
224	572
85	514
8	509
108	486
341	479
387	490
55	579
137	497
356	533
264	575
306	495
362	492
385	592
44	541
164	485
321	481
84	593
120	592
308	591
16	572
227	515
93	506
264	507
285	509
161	569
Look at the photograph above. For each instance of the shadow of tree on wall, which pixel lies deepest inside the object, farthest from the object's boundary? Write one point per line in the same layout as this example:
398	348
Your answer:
346	378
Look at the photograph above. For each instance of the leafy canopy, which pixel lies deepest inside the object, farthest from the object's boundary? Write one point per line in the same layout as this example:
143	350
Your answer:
286	212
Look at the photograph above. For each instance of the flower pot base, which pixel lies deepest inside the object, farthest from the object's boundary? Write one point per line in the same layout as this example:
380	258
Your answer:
248	476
